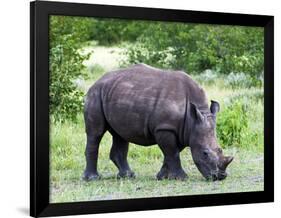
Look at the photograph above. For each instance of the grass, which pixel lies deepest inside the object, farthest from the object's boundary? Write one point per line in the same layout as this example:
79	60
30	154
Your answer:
68	162
67	165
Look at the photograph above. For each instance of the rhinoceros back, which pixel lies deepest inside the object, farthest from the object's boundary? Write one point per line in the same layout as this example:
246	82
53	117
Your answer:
140	100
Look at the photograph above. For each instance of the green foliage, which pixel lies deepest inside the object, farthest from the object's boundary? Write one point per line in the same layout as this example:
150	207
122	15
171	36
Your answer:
233	80
195	48
232	122
112	31
250	97
207	77
66	65
236	80
95	70
240	124
212	49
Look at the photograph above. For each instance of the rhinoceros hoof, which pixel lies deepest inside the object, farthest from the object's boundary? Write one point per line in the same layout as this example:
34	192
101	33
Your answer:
126	174
90	176
181	175
163	174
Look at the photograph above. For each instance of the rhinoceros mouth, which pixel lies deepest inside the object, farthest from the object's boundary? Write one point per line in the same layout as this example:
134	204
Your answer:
209	174
214	176
222	175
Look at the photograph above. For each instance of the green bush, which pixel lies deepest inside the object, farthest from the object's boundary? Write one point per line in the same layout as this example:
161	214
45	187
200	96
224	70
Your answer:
248	98
242	80
236	80
112	31
232	122
240	124
140	53
207	77
66	65
195	48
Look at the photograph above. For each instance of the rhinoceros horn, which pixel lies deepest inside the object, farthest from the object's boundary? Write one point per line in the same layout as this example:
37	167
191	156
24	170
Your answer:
226	161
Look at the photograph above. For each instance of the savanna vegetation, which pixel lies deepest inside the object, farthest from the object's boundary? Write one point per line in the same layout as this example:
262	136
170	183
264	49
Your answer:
226	61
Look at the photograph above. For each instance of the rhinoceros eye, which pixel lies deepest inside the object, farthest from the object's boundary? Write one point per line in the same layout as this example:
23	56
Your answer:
205	154
220	150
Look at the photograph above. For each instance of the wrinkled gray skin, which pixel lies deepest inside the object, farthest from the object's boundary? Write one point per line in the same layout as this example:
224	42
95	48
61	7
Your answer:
148	106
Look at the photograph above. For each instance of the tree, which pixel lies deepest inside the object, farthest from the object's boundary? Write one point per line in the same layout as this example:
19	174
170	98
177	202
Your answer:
197	47
66	65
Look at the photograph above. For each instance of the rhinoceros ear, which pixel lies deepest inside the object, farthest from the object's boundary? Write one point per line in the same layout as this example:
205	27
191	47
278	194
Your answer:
195	112
215	107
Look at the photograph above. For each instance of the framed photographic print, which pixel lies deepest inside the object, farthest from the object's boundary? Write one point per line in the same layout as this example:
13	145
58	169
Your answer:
140	109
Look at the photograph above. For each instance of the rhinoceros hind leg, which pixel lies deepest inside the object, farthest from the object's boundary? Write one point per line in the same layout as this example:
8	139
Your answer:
171	168
91	153
118	155
96	126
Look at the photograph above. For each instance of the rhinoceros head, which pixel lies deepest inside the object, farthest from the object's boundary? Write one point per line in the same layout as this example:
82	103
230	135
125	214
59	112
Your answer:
206	152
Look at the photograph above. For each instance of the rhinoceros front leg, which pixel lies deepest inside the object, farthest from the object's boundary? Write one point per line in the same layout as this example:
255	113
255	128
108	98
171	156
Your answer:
118	155
163	173
171	168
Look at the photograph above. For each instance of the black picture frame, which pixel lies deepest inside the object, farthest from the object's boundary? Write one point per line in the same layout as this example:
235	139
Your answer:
39	108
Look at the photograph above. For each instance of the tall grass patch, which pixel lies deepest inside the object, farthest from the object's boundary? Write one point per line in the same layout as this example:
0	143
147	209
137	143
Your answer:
240	123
